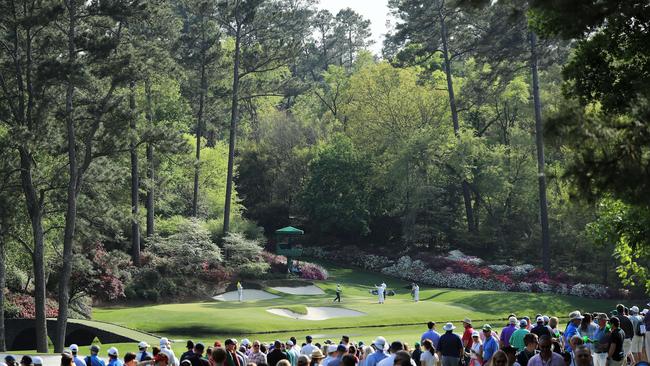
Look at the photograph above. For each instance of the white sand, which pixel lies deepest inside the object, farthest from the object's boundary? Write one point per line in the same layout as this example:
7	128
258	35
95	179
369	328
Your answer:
301	290
317	313
249	295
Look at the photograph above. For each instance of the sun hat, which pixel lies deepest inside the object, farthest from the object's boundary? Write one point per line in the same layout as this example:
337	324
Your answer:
317	354
475	334
331	348
449	327
512	320
487	328
37	360
634	309
73	348
380	342
466	320
142	344
575	315
523	323
540	319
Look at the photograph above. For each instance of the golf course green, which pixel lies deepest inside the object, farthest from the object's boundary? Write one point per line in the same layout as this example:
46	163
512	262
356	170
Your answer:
398	318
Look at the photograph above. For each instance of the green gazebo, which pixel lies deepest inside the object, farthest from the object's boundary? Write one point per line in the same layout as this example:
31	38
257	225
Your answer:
288	243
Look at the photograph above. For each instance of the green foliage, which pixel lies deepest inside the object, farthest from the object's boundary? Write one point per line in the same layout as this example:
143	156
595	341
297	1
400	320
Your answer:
336	194
626	227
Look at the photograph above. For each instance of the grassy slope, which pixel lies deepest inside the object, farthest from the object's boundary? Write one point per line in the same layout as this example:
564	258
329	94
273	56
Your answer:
212	320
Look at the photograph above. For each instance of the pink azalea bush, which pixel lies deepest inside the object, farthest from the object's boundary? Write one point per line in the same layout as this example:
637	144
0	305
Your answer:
311	271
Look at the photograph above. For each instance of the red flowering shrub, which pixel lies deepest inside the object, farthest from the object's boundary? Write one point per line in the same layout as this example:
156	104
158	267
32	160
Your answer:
215	273
23	306
311	271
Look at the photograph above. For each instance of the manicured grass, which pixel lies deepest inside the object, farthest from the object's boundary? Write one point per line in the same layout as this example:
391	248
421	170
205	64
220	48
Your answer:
399	317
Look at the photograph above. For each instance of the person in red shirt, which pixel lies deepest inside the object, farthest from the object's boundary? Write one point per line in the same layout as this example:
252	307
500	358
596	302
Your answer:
467	335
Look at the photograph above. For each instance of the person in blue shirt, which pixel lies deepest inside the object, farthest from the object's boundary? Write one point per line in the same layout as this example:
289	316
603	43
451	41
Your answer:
93	359
431	334
490	346
572	329
113	360
378	355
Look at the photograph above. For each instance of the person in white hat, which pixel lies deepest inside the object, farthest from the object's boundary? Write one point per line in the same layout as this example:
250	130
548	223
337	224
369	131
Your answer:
113	359
450	346
637	339
142	352
379	354
506	332
165	347
572	329
74	351
37	361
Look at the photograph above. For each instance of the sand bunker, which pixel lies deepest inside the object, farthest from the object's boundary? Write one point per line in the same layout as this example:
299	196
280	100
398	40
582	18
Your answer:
249	295
301	290
317	313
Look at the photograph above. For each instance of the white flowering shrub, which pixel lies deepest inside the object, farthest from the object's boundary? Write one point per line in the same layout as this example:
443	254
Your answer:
524	287
500	268
543	287
522	270
458	256
589	290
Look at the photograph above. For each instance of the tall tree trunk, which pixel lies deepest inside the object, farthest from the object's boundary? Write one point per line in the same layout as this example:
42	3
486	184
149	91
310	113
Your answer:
71	210
150	163
199	134
539	141
467	198
135	181
35	211
234	116
3	284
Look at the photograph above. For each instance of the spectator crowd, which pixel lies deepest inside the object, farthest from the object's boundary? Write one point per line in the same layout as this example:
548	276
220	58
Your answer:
591	339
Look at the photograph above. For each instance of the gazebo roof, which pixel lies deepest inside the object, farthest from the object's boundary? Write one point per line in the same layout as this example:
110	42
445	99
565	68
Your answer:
289	230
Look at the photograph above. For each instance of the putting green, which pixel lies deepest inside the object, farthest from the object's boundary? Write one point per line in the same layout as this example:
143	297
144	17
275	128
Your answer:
399	316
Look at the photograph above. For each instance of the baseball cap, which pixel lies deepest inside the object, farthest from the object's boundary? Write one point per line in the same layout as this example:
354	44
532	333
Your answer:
112	351
10	358
523	323
512	320
546	319
475	334
245	342
341	348
143	344
380	342
331	348
26	360
199	346
289	343
37	360
73	348
644	311
94	348
230	341
308	338
540	319
634	309
487	327
164	341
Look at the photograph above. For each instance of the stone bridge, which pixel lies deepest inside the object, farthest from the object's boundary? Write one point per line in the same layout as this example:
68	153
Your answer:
20	334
